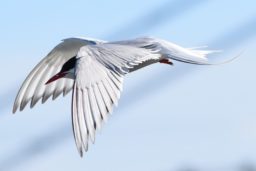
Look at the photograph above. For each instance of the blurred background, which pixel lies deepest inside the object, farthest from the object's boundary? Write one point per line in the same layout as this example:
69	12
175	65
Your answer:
181	118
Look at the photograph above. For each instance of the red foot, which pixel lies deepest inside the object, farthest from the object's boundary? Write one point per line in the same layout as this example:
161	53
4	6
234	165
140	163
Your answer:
166	61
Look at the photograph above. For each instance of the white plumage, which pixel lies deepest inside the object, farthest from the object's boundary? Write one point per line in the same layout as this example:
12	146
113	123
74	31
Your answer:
96	76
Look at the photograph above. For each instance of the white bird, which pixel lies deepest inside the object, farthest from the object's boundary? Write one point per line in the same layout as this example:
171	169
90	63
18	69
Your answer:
94	70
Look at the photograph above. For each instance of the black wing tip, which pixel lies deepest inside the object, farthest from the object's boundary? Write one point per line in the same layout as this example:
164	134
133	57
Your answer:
14	110
81	153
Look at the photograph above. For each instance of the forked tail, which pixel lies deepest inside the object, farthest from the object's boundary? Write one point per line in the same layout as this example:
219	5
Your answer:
189	55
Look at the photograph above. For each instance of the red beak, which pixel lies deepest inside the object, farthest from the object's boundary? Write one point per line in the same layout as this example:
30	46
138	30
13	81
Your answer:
56	77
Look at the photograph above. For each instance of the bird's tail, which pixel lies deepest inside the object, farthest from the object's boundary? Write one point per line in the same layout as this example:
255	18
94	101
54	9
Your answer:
203	54
199	56
195	55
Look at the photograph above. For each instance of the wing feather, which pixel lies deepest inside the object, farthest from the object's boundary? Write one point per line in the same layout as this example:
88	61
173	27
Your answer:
28	92
59	88
68	86
75	122
88	114
83	126
39	91
94	109
98	97
100	103
34	88
110	91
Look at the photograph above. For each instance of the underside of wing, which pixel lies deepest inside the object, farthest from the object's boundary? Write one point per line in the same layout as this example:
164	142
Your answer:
96	90
33	88
99	77
121	58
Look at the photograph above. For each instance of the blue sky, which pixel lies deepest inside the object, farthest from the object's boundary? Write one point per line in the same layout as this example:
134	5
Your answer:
168	117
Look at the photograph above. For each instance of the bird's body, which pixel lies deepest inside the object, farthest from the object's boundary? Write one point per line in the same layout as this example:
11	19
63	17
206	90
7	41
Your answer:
94	70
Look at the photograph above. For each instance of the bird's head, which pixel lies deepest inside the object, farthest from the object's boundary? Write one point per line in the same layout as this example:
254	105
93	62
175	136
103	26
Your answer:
67	71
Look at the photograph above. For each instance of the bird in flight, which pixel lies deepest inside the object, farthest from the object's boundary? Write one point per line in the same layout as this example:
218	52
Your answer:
94	71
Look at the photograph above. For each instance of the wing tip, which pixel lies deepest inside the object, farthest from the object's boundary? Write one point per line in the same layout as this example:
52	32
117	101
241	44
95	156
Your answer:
81	153
34	102
14	109
23	105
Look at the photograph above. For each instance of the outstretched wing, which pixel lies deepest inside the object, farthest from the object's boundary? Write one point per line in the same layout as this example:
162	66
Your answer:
34	88
170	50
99	77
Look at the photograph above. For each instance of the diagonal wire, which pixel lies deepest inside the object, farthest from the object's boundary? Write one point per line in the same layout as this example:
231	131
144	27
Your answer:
166	12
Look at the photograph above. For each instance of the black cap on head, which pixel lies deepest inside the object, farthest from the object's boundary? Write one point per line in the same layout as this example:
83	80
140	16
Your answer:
69	64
